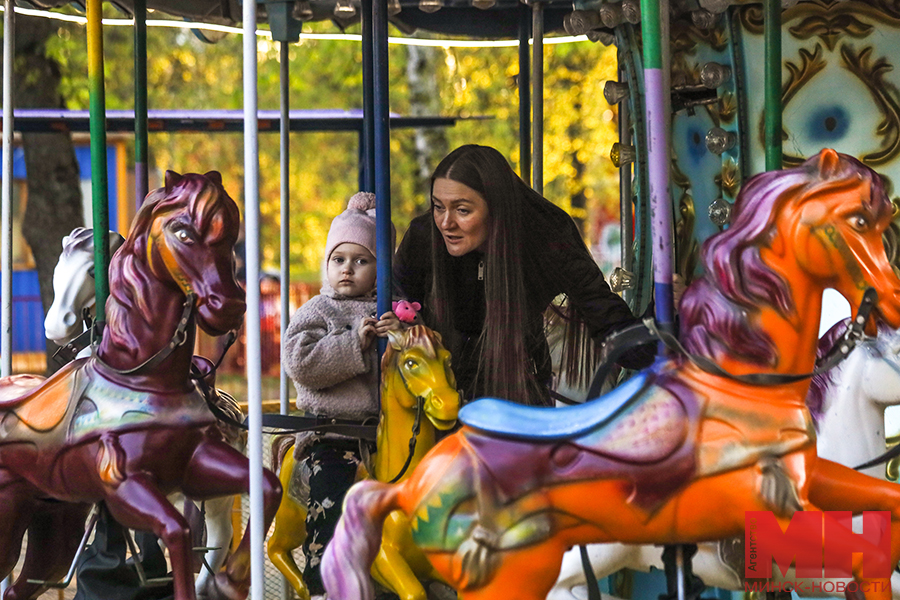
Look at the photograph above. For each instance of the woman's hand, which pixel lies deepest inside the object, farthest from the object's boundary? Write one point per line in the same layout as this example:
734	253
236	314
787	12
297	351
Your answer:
388	322
366	332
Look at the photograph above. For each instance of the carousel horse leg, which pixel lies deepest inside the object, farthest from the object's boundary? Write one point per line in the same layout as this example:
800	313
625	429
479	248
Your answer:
217	469
833	485
390	567
54	536
138	504
16	511
290	529
693	585
514	564
219	532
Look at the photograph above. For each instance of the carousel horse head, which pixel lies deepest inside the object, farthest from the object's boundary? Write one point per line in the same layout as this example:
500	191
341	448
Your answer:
181	244
417	356
73	284
795	232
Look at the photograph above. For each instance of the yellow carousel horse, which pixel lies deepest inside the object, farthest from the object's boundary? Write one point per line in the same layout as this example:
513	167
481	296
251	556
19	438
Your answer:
416	381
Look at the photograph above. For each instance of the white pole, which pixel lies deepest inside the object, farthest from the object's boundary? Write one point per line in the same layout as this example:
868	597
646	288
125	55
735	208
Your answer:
284	394
9	20
9	26
251	245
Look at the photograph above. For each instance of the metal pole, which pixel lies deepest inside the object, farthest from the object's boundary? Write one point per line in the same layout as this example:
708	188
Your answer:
254	360
99	176
141	176
9	28
658	160
524	94
537	146
626	212
284	81
382	148
368	74
772	34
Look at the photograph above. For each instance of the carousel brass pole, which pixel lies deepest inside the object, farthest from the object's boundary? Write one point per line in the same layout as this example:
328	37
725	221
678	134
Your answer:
99	175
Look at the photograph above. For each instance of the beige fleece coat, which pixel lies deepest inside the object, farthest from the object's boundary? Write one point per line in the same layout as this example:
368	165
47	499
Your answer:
322	355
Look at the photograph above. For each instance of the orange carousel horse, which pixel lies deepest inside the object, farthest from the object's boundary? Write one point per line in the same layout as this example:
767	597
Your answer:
131	424
677	453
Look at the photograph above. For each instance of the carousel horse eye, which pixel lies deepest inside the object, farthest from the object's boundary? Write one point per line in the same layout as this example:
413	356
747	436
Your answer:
859	222
183	235
411	364
91	271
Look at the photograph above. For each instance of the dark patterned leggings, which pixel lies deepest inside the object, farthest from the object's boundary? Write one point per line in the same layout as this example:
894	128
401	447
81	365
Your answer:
332	465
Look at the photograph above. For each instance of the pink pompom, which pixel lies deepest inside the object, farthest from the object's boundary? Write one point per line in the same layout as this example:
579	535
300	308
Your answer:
362	201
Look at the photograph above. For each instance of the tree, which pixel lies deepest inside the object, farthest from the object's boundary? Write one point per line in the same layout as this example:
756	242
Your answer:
54	193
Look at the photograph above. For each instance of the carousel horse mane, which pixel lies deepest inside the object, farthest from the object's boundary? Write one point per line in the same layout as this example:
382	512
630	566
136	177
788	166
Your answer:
81	239
210	210
714	315
417	335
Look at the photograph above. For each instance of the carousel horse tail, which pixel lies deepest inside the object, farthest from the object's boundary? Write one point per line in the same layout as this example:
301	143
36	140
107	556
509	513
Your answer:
357	539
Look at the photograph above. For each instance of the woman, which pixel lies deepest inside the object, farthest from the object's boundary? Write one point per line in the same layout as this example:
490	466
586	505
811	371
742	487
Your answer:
487	261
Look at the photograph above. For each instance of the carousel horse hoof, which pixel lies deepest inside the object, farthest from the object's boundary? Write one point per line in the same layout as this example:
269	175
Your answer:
440	591
226	589
854	594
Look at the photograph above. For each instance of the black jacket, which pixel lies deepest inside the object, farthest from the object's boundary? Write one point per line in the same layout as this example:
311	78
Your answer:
556	262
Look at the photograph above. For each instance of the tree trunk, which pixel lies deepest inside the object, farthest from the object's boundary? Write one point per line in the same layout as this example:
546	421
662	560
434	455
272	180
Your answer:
54	204
425	100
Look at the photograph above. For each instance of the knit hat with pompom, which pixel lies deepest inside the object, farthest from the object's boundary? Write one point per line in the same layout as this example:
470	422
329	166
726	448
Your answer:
355	225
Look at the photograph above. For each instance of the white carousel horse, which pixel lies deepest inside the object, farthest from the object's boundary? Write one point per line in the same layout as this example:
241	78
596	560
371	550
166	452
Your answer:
73	286
848	404
73	299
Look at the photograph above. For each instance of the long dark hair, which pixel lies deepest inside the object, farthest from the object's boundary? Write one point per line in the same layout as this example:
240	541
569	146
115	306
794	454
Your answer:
515	212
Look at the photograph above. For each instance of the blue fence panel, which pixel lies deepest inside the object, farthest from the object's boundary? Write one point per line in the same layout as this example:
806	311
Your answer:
28	313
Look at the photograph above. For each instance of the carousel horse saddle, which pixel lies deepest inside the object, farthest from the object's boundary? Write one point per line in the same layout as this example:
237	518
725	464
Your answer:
38	403
510	420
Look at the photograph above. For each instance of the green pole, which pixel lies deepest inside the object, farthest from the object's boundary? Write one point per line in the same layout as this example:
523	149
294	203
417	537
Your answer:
141	183
773	84
99	178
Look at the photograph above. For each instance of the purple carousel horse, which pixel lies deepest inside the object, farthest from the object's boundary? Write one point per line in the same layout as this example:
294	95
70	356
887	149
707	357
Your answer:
130	425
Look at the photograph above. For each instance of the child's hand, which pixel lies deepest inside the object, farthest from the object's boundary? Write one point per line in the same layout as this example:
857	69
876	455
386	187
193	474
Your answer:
388	322
678	288
366	332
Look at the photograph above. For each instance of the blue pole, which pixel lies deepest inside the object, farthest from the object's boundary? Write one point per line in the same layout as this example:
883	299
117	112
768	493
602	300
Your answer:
367	138
524	93
382	138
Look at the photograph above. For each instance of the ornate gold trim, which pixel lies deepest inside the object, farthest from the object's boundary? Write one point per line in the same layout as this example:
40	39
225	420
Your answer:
828	19
871	73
